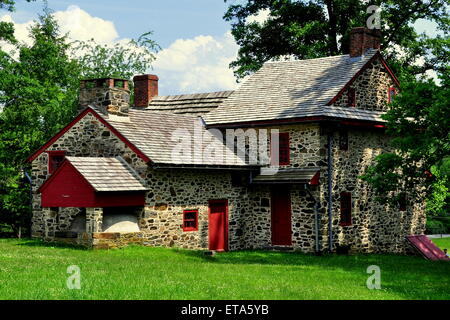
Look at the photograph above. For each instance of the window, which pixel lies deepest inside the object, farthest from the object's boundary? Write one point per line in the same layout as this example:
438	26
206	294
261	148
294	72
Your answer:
346	209
190	220
351	99
343	140
391	93
402	201
284	156
55	158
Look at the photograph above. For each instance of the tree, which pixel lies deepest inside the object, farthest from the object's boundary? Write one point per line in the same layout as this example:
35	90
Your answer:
39	95
121	60
311	29
419	170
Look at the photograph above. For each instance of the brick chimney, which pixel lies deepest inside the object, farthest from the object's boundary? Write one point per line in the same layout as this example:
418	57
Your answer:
362	39
107	95
145	88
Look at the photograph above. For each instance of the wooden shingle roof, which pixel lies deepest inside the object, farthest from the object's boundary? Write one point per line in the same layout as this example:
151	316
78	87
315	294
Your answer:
107	174
293	89
196	104
159	136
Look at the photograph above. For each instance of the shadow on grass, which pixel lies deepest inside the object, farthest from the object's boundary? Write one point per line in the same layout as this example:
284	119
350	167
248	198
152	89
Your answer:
404	275
46	244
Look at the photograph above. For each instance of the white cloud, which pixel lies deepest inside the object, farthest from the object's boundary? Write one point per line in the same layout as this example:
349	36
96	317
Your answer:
82	26
197	65
260	17
186	66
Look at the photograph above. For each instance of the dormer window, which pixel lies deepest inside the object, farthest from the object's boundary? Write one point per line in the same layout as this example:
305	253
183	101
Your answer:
351	98
55	158
391	94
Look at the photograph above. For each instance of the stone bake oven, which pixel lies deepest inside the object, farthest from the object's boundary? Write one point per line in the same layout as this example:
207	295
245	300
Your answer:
162	171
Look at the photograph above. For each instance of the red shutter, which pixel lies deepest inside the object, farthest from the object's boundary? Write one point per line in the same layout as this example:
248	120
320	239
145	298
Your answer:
285	157
351	102
346	209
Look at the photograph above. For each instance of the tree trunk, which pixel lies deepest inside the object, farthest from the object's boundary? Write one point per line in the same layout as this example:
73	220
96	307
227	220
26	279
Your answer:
332	30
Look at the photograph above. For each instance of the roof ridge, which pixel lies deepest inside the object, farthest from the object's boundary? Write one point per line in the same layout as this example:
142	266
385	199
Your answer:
193	94
368	52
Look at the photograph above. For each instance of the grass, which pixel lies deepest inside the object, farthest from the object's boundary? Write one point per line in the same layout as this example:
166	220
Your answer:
443	243
30	269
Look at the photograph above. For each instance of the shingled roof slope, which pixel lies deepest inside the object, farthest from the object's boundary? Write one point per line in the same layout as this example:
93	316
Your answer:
291	89
197	104
158	135
107	174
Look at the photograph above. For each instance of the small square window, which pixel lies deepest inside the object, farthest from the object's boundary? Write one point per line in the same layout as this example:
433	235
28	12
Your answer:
190	220
351	98
391	94
402	202
55	159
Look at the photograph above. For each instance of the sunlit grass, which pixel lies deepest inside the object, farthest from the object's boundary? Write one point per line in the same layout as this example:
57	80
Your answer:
30	269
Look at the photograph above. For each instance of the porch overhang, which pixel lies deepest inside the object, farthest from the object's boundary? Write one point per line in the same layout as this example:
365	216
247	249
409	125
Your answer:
91	183
310	176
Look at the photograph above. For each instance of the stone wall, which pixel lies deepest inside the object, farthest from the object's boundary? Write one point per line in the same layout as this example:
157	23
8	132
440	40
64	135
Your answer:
371	89
375	227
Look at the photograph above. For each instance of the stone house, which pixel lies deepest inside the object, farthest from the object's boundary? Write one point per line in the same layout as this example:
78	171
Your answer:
274	164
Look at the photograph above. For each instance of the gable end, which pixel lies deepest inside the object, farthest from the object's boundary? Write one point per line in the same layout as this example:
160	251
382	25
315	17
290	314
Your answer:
76	120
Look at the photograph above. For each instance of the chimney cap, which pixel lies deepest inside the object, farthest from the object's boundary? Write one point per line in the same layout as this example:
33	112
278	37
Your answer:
146	77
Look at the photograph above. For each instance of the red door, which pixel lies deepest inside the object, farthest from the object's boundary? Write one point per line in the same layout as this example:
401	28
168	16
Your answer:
281	217
218	225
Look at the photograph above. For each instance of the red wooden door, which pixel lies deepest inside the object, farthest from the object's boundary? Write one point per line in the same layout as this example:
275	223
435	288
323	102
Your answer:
281	217
218	225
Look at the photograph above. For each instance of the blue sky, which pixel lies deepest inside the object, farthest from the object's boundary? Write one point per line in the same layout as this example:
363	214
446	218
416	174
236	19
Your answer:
169	19
196	41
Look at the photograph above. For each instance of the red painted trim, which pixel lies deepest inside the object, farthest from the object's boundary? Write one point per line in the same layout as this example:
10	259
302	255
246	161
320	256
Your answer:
55	174
367	124
349	83
78	118
196	220
225	202
389	93
315	180
295	120
288	147
266	122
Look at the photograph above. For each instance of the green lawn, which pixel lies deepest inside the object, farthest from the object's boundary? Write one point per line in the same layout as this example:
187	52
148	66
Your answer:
443	243
30	269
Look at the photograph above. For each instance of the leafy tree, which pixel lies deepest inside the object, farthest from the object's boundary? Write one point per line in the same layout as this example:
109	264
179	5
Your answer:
420	168
122	60
38	94
317	28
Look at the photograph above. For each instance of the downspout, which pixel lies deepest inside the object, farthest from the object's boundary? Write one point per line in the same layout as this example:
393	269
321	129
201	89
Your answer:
31	195
316	219
330	187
